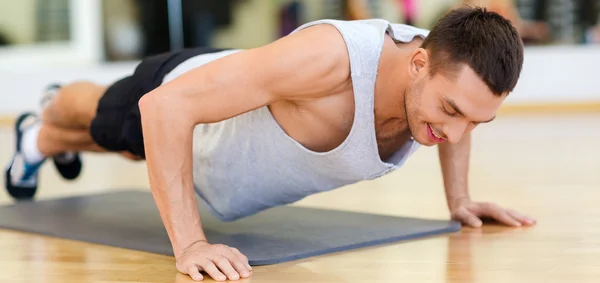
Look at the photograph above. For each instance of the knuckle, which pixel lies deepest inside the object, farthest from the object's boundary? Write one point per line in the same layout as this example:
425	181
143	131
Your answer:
221	249
221	260
183	264
190	269
460	214
180	267
205	263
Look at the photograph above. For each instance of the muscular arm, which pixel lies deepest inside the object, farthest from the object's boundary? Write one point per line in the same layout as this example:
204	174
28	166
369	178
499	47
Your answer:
454	161
301	66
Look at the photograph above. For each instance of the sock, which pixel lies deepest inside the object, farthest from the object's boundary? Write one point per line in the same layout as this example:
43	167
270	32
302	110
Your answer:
65	157
29	148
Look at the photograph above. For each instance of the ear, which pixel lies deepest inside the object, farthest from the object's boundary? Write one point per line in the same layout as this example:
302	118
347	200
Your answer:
419	62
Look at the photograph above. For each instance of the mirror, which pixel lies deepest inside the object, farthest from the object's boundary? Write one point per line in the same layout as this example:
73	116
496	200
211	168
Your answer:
540	22
560	21
94	31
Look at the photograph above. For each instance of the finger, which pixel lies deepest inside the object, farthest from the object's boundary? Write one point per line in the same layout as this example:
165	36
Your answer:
225	266
193	272
468	218
211	269
501	215
522	218
242	257
240	262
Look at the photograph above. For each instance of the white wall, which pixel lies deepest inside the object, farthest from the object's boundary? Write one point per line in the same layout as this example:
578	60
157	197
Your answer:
559	74
20	90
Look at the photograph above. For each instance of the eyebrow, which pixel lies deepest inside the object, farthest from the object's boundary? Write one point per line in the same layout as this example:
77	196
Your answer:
461	113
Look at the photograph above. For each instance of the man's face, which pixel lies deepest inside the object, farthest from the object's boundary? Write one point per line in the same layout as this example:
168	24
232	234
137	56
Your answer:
443	109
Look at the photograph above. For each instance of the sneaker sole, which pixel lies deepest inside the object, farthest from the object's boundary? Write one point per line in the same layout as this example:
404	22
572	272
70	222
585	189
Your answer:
69	171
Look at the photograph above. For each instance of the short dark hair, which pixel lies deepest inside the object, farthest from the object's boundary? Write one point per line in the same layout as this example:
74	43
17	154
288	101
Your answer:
484	40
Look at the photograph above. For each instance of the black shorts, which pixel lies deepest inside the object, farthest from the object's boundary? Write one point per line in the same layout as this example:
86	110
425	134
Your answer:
117	124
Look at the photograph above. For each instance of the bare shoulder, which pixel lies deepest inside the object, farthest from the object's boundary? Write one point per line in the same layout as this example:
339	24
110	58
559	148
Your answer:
307	64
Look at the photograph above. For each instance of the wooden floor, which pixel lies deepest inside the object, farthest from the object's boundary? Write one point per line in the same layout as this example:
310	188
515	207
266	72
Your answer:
545	166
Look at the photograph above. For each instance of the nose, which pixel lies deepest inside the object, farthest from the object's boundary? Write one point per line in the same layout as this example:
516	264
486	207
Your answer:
455	130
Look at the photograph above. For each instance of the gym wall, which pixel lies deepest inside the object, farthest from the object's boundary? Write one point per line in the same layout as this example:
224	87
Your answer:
255	22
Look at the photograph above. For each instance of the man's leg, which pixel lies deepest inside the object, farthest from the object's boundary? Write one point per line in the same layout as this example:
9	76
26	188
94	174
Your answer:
60	132
54	140
66	114
84	116
66	119
72	106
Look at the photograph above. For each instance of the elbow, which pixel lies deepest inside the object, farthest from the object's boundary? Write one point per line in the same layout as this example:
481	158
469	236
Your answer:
157	105
146	104
157	108
149	107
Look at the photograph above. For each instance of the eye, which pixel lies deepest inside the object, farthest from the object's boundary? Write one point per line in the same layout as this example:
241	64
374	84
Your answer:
451	114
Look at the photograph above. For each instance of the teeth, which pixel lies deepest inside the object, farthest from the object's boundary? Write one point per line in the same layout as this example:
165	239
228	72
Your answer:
433	132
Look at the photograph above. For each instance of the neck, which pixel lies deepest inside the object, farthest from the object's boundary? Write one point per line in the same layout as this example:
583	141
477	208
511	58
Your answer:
393	83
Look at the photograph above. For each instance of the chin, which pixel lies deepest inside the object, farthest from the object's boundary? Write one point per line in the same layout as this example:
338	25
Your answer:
419	133
424	141
421	136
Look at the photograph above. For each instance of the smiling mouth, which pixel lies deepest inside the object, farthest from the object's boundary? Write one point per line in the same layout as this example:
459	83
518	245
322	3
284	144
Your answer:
433	135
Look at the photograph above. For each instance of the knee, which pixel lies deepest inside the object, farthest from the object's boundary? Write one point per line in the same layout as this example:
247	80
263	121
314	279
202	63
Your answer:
73	105
80	90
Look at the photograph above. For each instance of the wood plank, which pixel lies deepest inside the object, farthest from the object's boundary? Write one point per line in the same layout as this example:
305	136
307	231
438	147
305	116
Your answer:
543	165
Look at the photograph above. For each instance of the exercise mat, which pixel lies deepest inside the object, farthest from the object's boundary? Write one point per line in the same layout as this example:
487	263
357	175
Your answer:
129	219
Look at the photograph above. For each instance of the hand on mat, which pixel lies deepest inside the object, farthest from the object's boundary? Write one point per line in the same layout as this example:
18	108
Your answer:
219	261
471	213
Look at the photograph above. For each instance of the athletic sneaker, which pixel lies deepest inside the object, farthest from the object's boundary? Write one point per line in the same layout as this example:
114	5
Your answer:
21	178
67	164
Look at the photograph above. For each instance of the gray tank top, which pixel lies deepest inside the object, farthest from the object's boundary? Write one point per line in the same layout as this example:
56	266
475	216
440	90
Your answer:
247	164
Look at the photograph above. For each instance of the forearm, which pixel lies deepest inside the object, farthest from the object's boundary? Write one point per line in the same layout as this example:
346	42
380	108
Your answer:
168	146
454	161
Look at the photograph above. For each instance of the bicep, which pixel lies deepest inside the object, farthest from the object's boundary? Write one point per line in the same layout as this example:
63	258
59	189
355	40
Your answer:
301	66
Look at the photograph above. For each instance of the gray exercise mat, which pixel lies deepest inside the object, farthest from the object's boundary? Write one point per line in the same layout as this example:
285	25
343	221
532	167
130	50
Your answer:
129	219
